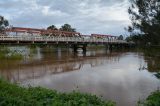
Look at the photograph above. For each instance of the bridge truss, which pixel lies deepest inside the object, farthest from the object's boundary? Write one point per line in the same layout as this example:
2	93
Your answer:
32	35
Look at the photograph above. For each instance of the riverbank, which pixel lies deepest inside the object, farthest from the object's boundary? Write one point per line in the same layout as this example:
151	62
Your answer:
152	100
6	53
14	95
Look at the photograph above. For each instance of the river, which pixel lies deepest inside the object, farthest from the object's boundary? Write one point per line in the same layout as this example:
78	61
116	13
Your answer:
122	76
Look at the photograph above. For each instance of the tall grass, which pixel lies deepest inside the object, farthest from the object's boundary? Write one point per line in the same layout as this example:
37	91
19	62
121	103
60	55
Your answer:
152	100
13	95
5	53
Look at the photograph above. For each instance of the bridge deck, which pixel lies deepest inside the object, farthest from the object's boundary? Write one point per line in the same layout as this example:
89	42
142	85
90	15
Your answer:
56	39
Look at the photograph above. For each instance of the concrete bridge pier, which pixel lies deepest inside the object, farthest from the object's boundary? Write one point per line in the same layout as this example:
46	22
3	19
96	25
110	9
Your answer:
107	46
75	48
110	47
82	46
32	42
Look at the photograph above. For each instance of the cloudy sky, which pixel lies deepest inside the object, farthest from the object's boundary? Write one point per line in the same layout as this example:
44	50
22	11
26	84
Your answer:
87	16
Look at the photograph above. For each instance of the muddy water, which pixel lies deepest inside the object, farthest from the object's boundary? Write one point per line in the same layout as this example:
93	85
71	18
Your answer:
122	76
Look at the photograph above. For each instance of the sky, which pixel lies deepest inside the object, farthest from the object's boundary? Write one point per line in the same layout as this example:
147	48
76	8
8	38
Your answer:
87	16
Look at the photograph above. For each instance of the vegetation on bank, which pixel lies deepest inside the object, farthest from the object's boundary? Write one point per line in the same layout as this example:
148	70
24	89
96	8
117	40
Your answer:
152	100
145	17
13	95
151	51
5	53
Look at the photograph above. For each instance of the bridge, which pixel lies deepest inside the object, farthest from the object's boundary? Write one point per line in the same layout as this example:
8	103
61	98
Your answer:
19	35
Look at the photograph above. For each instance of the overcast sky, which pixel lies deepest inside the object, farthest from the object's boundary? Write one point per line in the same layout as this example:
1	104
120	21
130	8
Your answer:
87	16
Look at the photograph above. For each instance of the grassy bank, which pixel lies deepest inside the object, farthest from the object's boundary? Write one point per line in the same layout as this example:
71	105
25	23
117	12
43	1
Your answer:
13	95
152	100
6	53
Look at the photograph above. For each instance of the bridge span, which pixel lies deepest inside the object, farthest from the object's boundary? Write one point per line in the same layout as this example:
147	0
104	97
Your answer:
18	35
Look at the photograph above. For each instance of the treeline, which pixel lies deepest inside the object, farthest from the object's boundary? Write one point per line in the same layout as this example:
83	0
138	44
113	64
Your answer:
3	24
66	27
145	17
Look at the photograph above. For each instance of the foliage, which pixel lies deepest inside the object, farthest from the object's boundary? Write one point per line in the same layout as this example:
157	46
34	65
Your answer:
138	39
52	27
67	27
145	17
13	95
151	57
3	23
152	100
120	37
5	53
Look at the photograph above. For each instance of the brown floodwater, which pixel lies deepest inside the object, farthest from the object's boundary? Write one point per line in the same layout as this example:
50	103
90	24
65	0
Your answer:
121	76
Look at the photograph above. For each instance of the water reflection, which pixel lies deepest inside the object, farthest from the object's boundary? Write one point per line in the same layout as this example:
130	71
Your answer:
53	63
121	76
152	58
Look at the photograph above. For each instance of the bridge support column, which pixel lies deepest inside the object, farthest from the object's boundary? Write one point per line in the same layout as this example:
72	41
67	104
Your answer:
110	46
75	48
107	48
84	48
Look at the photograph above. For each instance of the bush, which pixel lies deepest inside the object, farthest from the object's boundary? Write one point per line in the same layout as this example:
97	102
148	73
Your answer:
13	95
152	100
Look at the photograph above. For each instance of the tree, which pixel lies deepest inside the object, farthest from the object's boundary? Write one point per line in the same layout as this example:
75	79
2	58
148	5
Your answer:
52	27
67	27
3	24
137	39
120	37
145	17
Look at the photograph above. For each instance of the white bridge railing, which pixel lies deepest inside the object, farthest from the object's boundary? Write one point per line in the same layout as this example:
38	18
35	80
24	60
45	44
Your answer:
58	39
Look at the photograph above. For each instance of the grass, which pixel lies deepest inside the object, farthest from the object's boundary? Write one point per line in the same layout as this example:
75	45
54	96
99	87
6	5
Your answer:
14	95
5	53
152	100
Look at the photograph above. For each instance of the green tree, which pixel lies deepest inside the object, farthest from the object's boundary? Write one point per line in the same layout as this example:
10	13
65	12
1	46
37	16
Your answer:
52	27
137	38
120	37
145	17
3	24
67	27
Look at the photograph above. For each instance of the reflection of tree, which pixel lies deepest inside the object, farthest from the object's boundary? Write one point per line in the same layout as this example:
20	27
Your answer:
151	56
153	63
157	75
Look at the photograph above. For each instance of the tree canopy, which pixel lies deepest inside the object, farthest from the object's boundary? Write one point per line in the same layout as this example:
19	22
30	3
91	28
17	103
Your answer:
3	24
145	17
52	27
120	37
67	27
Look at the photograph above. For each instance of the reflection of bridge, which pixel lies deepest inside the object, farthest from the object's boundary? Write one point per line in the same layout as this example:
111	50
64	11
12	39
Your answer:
76	40
37	69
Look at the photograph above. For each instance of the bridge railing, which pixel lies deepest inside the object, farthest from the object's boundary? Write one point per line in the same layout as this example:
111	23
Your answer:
56	39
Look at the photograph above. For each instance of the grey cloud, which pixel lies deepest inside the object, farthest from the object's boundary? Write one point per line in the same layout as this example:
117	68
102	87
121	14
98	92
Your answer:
87	16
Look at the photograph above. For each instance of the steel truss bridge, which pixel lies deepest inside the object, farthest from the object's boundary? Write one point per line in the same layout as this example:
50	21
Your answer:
18	35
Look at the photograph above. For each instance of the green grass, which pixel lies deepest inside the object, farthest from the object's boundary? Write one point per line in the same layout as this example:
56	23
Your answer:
5	53
152	100
13	95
